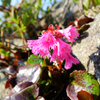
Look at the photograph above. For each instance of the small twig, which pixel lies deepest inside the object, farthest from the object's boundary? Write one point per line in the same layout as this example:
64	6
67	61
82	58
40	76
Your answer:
2	39
11	44
14	33
20	4
4	8
26	9
23	38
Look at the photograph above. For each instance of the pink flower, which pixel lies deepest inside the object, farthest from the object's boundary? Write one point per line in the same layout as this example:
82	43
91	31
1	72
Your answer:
70	33
69	60
60	50
42	45
51	40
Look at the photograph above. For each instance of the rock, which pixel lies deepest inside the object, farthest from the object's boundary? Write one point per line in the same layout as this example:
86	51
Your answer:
88	50
62	13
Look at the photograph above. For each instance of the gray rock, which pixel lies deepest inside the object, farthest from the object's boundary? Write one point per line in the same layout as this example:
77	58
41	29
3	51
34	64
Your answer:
88	50
62	13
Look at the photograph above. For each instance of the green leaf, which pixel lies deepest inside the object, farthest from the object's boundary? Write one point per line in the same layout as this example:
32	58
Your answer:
6	2
95	2
44	86
5	53
0	19
34	59
40	3
86	4
76	1
98	1
87	81
25	19
83	28
8	24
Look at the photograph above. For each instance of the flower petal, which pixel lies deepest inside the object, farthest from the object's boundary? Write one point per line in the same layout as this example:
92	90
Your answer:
69	61
70	33
60	50
42	45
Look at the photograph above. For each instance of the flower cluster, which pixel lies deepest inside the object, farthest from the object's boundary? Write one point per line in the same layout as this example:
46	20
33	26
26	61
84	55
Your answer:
51	40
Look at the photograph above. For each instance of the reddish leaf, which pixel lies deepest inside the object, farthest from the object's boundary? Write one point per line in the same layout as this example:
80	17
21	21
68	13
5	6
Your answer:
84	21
11	82
22	54
86	81
3	64
75	92
16	62
72	91
23	91
83	95
6	58
7	84
53	71
29	73
80	22
12	70
57	65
